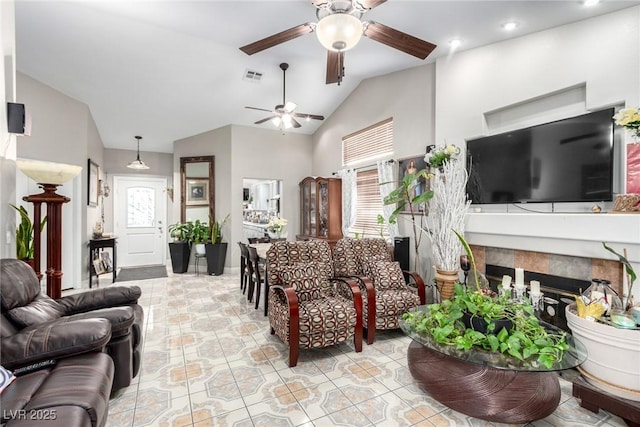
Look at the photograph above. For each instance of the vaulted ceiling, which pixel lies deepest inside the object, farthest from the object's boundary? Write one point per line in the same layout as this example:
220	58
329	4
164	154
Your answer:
167	70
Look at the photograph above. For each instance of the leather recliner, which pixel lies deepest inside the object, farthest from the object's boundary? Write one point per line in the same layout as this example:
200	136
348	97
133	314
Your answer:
69	379
25	309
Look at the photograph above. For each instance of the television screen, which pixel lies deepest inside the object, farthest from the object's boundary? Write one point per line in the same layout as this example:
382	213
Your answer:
569	160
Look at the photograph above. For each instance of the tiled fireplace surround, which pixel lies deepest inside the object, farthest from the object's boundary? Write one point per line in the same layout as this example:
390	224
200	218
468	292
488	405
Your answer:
558	244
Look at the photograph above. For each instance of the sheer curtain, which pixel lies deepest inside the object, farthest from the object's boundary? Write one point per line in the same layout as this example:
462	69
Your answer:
388	173
349	194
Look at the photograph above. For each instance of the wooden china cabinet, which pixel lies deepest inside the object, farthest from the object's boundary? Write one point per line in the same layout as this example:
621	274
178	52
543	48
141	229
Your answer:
321	209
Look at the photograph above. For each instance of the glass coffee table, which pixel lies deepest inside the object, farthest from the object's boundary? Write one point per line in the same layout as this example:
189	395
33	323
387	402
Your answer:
486	385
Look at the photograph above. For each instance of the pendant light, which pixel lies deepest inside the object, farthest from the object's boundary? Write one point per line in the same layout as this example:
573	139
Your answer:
137	163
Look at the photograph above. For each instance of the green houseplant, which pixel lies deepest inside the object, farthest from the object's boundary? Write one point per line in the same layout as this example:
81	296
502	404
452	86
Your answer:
216	250
25	233
180	248
521	337
199	235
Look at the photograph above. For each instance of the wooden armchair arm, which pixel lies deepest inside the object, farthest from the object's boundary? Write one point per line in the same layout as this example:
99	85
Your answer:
419	283
291	297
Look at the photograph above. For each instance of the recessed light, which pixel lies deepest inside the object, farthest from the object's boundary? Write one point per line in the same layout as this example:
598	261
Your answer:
510	26
455	43
590	2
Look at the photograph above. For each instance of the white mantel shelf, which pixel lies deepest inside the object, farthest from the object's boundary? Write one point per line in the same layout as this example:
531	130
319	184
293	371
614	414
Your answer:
575	234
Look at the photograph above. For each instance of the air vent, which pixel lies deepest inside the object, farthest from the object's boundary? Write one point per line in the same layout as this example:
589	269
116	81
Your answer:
252	76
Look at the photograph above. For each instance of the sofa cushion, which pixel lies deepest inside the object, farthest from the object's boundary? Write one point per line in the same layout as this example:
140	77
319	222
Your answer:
305	278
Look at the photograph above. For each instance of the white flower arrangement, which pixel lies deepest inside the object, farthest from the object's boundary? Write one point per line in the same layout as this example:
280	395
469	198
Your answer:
437	156
629	118
277	225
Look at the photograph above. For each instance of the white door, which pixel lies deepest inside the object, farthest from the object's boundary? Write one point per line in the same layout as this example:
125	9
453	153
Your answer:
140	216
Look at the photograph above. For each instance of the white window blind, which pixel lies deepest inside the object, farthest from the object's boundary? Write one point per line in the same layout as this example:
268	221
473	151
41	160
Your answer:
368	205
372	142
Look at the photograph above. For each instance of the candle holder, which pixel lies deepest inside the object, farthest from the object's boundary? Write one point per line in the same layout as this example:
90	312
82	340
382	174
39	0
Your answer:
520	290
536	300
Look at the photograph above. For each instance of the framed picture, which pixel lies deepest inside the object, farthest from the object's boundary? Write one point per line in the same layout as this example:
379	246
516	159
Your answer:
98	266
413	165
198	192
93	183
106	261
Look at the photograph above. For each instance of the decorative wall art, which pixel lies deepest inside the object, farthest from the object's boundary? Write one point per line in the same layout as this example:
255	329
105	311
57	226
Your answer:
93	186
197	192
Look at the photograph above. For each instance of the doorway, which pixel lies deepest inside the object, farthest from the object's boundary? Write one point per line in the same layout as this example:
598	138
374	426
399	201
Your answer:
140	217
261	201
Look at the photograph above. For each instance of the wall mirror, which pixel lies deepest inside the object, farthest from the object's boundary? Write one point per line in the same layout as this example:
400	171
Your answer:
197	197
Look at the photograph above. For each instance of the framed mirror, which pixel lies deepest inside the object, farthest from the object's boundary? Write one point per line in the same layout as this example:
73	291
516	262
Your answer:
197	179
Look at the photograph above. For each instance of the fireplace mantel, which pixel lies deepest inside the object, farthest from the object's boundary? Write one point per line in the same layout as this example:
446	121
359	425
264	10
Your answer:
576	234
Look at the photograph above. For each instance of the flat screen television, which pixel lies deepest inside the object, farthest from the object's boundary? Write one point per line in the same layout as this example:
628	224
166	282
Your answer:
568	160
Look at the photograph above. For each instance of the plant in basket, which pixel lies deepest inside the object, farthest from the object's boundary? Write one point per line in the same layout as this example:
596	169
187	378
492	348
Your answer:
476	318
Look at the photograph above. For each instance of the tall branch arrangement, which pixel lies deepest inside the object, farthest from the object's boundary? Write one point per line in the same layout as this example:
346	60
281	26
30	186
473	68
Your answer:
447	210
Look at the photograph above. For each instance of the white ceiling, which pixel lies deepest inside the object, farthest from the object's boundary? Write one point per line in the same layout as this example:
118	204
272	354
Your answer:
167	70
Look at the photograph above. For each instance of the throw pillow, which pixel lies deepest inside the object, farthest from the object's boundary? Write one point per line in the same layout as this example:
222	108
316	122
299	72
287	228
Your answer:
386	275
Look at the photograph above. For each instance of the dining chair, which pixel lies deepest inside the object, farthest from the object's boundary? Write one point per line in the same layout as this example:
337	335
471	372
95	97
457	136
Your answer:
257	274
259	240
244	266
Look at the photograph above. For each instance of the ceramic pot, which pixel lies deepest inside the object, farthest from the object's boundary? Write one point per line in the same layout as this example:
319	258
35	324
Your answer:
612	355
446	279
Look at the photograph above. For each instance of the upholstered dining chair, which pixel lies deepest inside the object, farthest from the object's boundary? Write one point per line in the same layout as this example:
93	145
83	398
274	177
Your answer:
308	307
386	295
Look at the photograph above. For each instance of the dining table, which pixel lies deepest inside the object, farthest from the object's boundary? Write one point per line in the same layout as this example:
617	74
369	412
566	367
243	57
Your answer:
261	249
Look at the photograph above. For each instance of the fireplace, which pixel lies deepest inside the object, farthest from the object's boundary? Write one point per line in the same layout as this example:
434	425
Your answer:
558	291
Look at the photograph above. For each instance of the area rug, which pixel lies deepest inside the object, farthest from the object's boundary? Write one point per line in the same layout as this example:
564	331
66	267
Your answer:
141	273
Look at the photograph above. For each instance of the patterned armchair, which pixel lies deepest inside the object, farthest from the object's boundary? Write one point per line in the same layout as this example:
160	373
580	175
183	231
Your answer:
386	294
308	308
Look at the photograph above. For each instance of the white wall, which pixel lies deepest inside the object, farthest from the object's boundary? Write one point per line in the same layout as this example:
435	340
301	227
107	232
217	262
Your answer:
7	141
407	96
63	130
601	54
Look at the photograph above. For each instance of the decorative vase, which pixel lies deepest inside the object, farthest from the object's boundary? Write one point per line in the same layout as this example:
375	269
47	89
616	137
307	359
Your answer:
446	279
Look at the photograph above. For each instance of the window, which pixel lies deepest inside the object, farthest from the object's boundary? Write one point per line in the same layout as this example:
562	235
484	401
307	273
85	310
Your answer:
371	143
368	205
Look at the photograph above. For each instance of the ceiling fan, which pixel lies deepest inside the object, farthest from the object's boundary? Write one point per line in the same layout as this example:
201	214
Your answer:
284	117
339	28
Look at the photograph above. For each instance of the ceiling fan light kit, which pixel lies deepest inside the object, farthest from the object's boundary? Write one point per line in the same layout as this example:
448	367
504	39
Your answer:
339	29
339	32
283	114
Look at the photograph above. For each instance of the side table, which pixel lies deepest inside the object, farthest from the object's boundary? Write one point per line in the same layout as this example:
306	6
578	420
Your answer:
95	246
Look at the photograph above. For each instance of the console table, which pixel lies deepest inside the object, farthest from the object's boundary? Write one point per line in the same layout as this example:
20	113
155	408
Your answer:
95	246
490	386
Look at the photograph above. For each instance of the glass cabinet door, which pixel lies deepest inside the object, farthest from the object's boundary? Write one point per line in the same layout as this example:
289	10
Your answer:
313	231
323	209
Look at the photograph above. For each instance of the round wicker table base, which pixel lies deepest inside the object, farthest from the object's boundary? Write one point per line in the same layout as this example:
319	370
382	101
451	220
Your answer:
491	394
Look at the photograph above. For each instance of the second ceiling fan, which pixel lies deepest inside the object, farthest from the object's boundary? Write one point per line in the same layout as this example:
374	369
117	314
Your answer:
283	114
339	28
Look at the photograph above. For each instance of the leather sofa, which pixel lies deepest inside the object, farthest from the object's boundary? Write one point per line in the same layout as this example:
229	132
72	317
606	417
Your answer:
73	388
26	312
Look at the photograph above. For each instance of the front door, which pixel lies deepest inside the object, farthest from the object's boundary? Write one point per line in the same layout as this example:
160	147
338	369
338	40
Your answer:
140	216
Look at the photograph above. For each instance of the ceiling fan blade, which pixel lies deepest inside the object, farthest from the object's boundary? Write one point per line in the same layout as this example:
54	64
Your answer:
398	40
370	4
295	123
289	106
335	66
308	116
259	109
320	3
276	39
266	119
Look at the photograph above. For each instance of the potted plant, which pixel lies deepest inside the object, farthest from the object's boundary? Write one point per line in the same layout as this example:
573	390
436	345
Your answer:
216	250
24	236
199	235
180	248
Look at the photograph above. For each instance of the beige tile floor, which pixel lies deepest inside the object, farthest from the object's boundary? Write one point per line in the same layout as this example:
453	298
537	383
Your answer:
209	360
